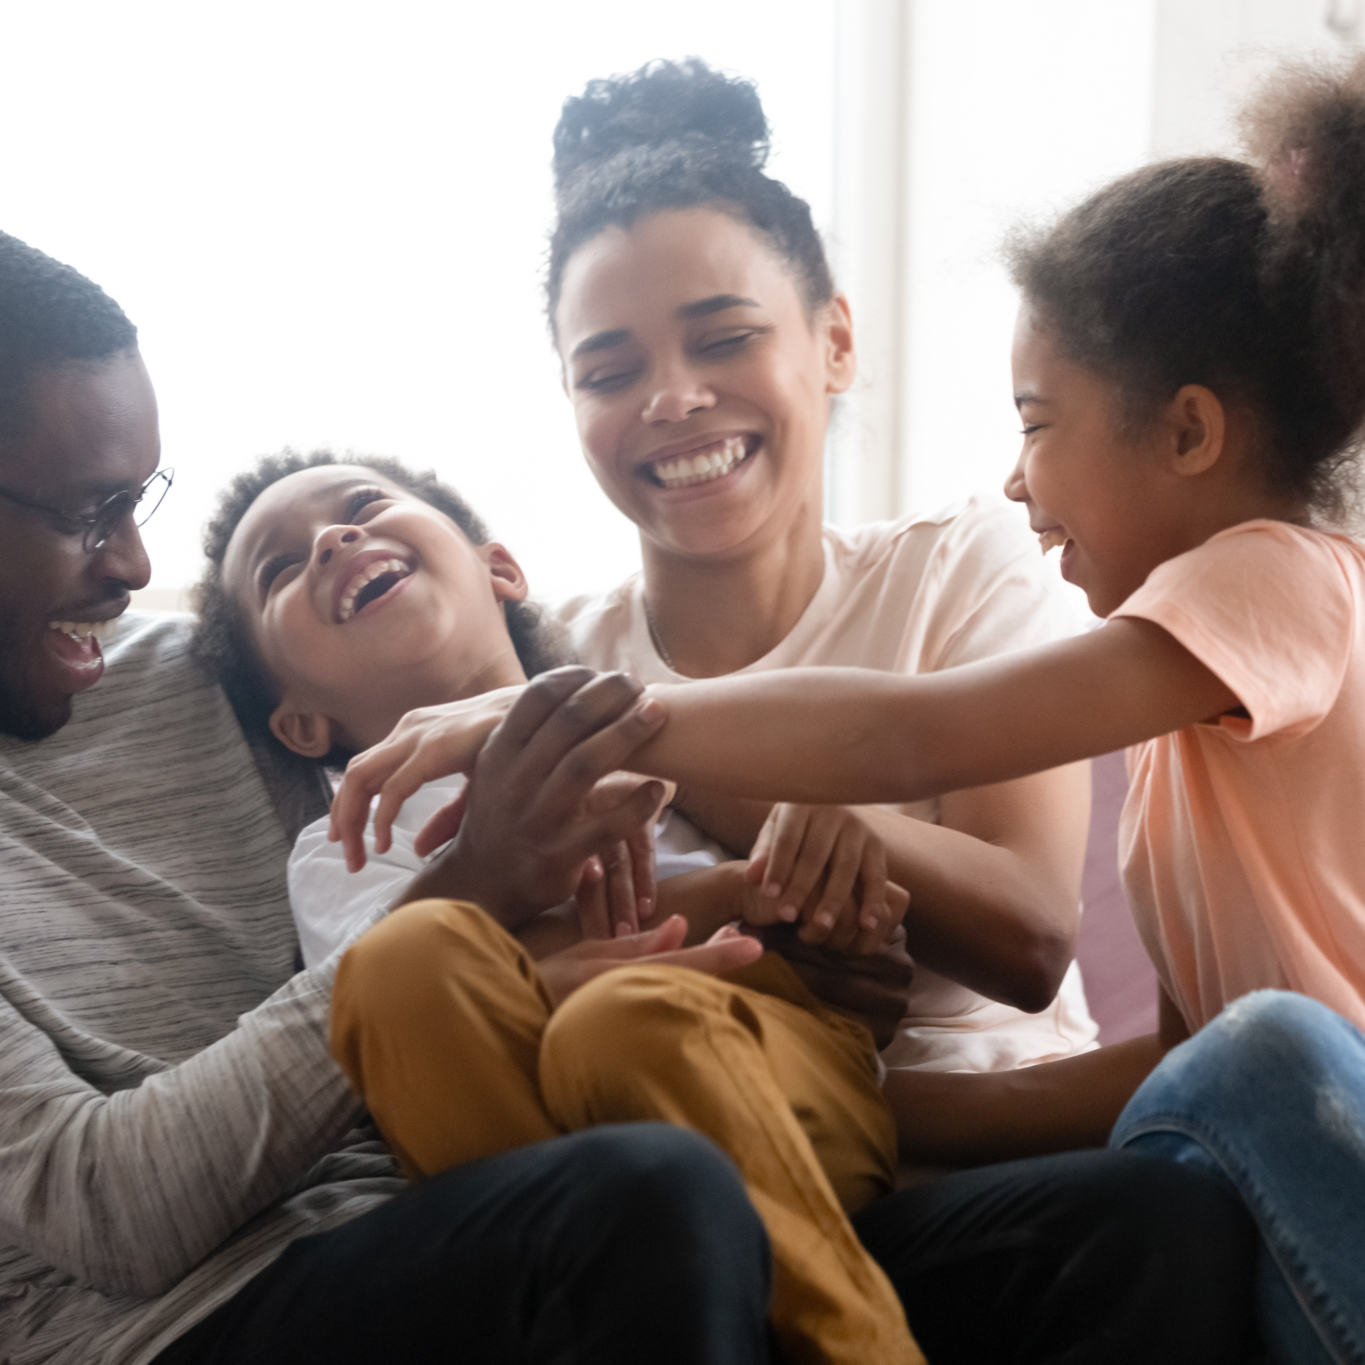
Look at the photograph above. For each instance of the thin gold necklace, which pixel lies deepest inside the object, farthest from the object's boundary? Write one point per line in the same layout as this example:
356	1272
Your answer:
654	635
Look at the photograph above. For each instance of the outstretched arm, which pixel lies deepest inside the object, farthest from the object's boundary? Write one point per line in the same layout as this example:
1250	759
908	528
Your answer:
852	736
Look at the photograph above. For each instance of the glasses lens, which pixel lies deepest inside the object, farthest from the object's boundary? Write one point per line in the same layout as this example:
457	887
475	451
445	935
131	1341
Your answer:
153	494
110	513
106	521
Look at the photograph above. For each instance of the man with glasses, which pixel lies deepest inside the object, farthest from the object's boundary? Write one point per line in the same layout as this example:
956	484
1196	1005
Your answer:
172	1127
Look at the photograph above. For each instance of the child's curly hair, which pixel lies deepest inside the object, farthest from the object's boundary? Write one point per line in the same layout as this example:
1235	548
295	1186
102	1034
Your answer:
222	645
1245	276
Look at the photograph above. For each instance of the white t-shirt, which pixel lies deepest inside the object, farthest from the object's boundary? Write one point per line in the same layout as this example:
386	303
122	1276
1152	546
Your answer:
331	906
909	596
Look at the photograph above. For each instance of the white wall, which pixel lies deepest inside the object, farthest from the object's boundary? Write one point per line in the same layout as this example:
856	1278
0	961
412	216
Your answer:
1209	55
957	121
328	221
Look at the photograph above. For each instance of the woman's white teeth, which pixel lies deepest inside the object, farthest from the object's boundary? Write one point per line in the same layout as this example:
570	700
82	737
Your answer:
684	470
366	576
1050	540
78	630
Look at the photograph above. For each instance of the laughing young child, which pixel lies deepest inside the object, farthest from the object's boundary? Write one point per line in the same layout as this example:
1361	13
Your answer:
343	596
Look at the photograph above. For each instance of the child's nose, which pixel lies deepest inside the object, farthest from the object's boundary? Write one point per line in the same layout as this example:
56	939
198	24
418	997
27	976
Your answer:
332	539
1016	489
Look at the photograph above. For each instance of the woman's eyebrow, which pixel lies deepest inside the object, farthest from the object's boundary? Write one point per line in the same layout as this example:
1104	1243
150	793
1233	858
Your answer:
602	341
717	303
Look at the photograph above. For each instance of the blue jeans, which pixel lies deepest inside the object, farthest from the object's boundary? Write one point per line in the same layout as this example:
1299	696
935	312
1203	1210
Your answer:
1271	1094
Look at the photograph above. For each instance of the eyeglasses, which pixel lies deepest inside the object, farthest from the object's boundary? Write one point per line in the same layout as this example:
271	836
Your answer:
100	524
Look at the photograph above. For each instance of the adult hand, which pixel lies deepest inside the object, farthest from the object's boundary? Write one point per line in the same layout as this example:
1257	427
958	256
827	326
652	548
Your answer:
430	742
564	972
528	825
824	866
873	988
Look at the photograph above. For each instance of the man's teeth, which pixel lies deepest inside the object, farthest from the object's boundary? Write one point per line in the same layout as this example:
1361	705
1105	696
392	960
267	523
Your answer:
1050	540
78	630
685	470
366	576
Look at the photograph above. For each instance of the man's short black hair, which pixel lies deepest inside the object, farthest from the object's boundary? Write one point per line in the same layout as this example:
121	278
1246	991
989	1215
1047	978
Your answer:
49	314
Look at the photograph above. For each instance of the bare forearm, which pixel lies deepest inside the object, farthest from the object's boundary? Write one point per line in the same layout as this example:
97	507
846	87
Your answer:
982	913
849	736
708	899
778	736
970	1119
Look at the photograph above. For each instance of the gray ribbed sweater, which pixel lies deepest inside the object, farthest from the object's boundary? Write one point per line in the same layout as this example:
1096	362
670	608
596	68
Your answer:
169	1115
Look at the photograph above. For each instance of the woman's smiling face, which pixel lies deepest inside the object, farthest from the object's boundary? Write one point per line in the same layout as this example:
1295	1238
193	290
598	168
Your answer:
362	601
700	385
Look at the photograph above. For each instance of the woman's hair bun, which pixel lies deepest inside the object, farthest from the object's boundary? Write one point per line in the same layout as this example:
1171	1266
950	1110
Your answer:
664	101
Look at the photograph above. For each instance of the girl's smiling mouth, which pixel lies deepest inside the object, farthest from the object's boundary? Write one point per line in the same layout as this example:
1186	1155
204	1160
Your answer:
369	583
702	464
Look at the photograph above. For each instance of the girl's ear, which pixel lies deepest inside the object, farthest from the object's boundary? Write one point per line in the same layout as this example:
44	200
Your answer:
305	732
1199	426
509	583
841	361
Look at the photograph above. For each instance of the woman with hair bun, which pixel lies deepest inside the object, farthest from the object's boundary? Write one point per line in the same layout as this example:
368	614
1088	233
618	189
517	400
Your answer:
703	342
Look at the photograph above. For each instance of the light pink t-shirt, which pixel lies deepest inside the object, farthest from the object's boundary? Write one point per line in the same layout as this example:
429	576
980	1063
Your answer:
908	596
1243	840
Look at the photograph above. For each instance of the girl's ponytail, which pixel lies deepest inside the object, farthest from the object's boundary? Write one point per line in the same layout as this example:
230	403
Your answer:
1305	132
1245	277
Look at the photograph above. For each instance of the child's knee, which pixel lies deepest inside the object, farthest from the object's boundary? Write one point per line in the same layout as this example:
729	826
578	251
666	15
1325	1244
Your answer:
390	967
1278	1030
628	1021
1267	1043
614	1014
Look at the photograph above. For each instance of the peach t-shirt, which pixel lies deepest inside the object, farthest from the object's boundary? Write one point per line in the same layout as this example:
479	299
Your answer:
1243	839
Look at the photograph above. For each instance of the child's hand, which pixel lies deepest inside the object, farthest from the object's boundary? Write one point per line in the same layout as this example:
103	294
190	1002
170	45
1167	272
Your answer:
564	972
617	892
824	866
431	742
872	988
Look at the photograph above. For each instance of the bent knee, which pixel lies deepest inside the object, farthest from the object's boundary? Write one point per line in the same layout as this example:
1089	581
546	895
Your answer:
417	943
623	1016
1277	1029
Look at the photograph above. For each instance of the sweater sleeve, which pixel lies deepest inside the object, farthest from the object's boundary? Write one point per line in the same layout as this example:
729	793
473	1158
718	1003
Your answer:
128	1190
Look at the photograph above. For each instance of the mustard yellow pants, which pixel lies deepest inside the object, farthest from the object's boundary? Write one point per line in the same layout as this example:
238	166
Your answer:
442	1024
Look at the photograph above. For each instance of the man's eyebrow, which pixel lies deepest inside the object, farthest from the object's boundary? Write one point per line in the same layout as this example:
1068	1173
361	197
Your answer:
717	303
602	341
93	490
